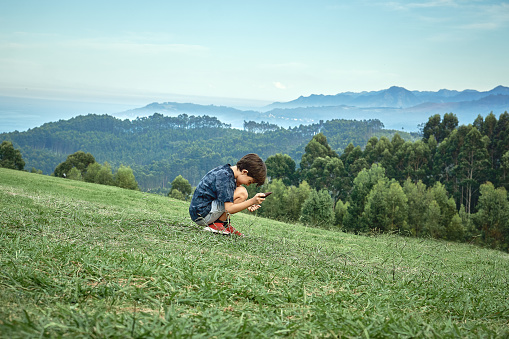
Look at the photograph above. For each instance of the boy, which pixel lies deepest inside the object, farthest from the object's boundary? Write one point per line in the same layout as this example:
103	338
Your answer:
220	193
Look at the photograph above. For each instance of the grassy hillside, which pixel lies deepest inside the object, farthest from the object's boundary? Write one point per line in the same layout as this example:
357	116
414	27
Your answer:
84	260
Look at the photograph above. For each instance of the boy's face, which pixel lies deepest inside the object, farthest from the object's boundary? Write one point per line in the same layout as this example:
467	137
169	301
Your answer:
244	179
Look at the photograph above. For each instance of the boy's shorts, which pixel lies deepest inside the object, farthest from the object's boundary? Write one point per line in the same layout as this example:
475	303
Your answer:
215	212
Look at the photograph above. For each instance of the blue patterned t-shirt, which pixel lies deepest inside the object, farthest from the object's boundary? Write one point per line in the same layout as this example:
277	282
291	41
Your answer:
218	184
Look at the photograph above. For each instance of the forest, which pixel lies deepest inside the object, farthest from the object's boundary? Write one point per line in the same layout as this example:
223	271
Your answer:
159	148
449	182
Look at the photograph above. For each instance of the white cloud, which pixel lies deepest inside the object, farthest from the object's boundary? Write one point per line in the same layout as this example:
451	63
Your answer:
128	44
479	15
398	5
279	85
489	17
134	47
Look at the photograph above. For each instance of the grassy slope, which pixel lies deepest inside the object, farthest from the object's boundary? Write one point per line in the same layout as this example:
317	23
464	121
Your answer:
84	260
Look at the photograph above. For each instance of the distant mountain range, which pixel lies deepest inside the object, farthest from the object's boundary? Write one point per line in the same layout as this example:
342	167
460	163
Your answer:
394	97
397	107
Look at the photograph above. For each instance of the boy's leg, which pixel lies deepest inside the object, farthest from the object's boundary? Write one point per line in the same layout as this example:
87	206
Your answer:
211	220
220	225
217	212
240	195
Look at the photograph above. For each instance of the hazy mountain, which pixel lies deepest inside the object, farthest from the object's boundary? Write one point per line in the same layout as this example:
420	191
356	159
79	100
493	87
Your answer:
396	107
398	118
392	97
396	97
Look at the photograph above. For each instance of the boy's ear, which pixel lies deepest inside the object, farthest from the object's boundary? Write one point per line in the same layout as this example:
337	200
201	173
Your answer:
244	171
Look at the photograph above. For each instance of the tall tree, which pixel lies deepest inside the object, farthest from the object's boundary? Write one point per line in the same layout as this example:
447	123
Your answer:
294	199
500	145
433	127
316	148
274	207
92	171
473	161
492	217
504	166
353	162
317	210
441	213
449	123
418	158
281	166
362	185
446	161
386	207
326	173
418	205
440	129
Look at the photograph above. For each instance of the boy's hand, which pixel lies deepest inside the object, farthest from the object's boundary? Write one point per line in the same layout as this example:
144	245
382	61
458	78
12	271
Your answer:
259	198
253	208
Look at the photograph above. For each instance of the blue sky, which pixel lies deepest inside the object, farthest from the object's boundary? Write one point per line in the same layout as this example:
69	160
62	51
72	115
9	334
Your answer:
227	52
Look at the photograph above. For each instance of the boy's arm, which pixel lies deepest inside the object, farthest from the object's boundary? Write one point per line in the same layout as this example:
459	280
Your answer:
232	208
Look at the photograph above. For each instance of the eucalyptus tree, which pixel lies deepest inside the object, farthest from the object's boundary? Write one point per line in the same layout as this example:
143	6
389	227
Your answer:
412	160
353	162
282	166
317	210
316	148
274	206
440	128
386	207
492	217
418	201
362	185
500	145
327	173
472	165
441	222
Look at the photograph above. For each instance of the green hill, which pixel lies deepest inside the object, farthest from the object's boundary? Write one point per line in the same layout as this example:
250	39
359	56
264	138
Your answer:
85	260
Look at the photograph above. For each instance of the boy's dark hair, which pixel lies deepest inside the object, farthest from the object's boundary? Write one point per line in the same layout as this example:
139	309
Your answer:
255	167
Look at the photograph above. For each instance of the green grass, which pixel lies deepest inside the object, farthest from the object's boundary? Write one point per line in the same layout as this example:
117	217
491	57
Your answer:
79	260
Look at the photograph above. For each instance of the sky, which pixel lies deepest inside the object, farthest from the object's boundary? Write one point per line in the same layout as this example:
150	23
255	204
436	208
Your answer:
247	52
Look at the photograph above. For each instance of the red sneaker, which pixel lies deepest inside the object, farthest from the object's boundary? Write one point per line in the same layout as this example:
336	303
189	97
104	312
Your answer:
231	230
217	227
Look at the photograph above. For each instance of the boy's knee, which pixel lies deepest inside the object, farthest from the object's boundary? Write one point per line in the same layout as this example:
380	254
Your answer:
240	194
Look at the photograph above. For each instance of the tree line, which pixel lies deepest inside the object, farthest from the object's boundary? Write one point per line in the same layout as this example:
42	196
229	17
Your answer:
83	167
78	166
158	148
